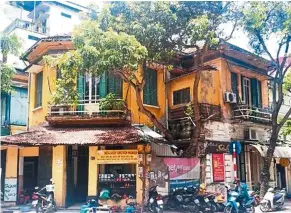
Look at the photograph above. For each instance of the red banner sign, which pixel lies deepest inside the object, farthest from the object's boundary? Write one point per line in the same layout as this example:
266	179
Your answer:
218	167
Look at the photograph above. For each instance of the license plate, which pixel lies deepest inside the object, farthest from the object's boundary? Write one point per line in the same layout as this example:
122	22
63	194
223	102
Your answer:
160	202
196	201
34	202
151	200
206	200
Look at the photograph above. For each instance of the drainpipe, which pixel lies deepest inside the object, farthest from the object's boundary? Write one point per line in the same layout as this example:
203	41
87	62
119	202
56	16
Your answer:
28	101
166	96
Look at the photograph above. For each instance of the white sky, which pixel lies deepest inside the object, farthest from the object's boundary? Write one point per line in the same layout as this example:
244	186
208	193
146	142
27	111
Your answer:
239	38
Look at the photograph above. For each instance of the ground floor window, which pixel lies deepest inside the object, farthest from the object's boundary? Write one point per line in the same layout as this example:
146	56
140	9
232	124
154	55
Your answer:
118	179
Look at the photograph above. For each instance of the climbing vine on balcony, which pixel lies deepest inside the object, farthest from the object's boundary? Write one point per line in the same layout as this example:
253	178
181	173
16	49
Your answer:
66	89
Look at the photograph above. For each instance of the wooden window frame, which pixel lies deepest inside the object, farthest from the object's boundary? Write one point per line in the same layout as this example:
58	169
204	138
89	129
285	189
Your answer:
181	90
38	80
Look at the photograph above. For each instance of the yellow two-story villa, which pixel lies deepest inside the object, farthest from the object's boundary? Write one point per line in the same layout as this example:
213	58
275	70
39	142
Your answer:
79	146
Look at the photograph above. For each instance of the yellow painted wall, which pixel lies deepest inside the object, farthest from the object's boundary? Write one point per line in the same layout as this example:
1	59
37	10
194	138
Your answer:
130	97
37	115
11	162
59	174
29	152
209	87
14	129
93	172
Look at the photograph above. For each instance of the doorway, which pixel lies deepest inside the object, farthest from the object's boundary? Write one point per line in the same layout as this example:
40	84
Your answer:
30	173
281	176
77	174
3	169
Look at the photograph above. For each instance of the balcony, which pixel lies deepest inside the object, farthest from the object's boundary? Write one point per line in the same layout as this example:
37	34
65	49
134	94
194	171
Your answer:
181	126
88	114
253	114
26	25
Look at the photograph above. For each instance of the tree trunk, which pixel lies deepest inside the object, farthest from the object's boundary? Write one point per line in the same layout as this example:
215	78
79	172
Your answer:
265	173
193	147
4	58
150	115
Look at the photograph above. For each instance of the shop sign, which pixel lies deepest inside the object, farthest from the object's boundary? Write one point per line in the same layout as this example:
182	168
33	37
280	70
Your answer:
218	167
10	189
217	147
183	168
116	156
284	162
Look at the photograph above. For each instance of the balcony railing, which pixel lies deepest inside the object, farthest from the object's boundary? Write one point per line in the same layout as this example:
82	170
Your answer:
206	110
86	114
182	127
26	25
254	114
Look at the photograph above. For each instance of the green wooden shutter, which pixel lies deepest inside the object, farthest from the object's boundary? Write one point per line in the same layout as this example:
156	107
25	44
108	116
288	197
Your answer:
81	90
254	91
260	94
146	91
242	88
154	93
103	85
118	86
38	95
234	83
150	88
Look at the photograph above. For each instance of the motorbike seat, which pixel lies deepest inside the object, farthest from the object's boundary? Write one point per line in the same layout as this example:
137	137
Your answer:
277	197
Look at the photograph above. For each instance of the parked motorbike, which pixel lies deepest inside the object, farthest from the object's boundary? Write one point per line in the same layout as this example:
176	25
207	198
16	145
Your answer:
183	199
256	196
155	203
219	202
273	200
234	206
205	203
43	199
23	197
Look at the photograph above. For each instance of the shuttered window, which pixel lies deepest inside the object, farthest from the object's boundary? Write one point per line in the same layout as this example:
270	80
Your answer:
181	96
256	93
150	91
234	83
38	89
115	85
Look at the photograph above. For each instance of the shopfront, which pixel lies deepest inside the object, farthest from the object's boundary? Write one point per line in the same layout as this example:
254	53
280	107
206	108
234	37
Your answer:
118	171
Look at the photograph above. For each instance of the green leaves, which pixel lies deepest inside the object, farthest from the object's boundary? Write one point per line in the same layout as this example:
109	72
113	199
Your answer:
9	44
66	89
6	73
287	82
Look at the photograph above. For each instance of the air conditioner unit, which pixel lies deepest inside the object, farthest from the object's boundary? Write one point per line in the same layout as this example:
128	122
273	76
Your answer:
230	97
251	134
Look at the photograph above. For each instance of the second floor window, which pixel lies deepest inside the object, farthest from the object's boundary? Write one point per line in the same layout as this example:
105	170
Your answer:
38	89
251	91
66	15
150	90
181	96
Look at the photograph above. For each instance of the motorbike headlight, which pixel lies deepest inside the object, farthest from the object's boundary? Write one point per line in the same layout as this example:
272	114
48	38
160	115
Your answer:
232	199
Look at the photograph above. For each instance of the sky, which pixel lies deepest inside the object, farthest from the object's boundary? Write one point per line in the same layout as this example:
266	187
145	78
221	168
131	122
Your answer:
239	37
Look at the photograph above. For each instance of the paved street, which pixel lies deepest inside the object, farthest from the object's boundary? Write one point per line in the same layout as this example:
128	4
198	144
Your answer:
287	208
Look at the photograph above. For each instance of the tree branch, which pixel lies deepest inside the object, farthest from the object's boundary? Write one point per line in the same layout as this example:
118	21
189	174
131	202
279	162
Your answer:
285	54
233	29
264	46
285	118
209	117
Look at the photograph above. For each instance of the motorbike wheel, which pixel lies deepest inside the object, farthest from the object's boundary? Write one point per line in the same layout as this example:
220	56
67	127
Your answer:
252	209
172	205
213	207
264	208
38	208
152	208
228	209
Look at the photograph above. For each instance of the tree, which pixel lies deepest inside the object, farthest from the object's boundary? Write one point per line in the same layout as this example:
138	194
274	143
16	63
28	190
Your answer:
8	44
261	20
128	35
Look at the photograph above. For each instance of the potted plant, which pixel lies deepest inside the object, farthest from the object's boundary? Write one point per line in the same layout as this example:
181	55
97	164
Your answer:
110	102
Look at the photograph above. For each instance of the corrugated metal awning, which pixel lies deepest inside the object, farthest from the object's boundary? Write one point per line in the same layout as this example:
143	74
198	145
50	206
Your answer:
280	151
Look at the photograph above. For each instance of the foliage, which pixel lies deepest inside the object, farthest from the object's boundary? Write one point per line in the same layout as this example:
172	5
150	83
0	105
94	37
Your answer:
110	102
6	73
287	82
9	44
189	110
66	88
261	20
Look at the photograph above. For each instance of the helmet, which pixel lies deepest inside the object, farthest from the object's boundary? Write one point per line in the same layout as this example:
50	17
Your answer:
203	186
237	180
